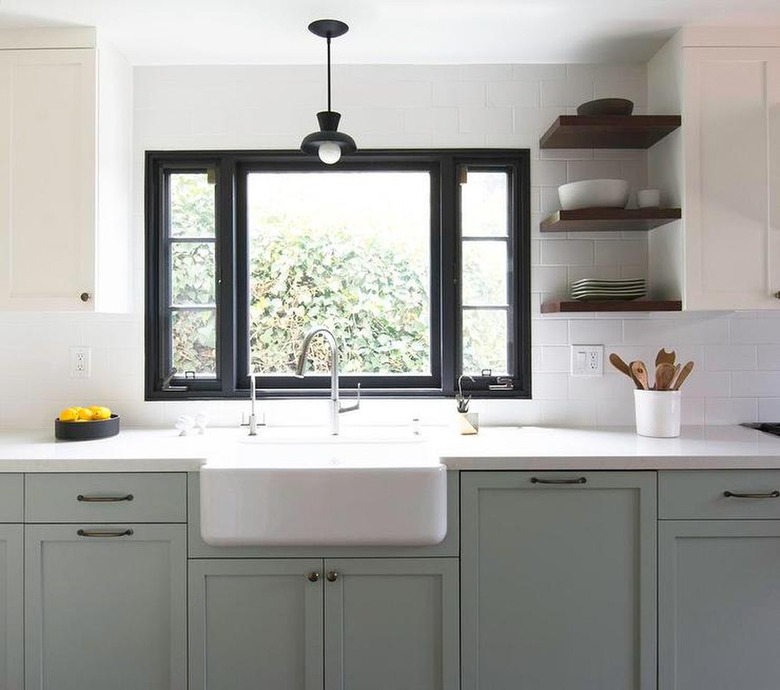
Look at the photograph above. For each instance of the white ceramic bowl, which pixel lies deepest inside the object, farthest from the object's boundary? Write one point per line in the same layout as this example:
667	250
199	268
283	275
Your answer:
594	193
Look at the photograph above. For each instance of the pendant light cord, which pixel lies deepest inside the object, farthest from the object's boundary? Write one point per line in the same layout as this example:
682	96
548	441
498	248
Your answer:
328	38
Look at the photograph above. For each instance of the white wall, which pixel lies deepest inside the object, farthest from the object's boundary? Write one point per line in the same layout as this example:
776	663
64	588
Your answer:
737	355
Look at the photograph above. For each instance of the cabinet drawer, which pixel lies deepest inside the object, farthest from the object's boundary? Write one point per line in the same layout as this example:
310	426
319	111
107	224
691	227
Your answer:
721	495
11	495
136	497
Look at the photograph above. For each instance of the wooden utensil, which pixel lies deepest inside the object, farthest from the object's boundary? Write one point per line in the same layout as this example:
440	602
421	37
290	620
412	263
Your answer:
639	374
664	357
664	373
620	365
681	376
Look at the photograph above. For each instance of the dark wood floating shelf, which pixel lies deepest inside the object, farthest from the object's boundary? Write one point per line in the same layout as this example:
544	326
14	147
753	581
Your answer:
608	132
562	306
598	219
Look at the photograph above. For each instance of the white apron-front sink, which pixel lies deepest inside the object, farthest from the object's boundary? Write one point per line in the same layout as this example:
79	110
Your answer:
324	492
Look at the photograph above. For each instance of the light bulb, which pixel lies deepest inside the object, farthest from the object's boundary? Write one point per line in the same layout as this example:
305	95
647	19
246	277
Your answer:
329	152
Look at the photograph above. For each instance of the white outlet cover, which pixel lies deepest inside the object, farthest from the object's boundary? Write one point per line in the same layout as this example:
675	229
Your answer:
587	360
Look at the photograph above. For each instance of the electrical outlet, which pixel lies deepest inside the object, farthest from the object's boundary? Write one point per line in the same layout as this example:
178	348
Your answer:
80	362
587	360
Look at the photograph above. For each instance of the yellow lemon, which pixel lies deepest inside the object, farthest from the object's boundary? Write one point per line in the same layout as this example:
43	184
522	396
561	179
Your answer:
100	412
85	414
69	414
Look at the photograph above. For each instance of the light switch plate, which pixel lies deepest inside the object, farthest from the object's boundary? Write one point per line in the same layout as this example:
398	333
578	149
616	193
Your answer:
587	360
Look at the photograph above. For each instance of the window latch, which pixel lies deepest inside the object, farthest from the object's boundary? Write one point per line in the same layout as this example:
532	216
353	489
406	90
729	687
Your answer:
166	384
503	383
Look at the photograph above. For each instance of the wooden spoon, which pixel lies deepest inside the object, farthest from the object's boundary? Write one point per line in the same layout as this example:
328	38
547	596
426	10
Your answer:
639	374
664	373
664	357
681	376
620	365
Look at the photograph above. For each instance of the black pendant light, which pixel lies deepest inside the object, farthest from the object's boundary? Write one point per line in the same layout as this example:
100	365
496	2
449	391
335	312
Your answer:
329	144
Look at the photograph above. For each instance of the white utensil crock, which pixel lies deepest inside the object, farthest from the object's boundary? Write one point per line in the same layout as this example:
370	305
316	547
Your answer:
657	413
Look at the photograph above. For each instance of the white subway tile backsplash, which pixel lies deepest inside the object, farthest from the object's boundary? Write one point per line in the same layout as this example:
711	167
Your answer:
485	119
567	92
567	252
464	93
769	357
548	173
757	384
621	252
520	93
595	332
550	279
730	410
730	357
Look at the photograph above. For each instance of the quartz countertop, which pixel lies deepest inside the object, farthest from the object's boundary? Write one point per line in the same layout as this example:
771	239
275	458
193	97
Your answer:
494	448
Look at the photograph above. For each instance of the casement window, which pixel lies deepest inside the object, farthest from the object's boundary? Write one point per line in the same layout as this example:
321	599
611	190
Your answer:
418	261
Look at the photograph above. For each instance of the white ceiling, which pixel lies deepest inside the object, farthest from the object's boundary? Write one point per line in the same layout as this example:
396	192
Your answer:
152	32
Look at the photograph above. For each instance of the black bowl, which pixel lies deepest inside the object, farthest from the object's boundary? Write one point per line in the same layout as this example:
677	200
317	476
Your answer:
606	106
87	431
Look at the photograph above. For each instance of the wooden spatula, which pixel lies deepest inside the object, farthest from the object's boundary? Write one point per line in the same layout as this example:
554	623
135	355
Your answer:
664	357
681	376
639	374
620	365
664	373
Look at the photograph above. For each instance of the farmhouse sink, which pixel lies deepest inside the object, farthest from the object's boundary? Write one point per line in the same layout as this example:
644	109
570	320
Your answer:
324	491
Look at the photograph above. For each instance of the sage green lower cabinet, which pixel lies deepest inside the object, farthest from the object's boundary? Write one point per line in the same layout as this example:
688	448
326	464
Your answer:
337	624
719	604
391	624
11	607
104	608
558	580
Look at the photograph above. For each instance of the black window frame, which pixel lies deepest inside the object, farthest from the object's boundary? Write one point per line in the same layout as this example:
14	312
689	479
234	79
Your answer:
231	169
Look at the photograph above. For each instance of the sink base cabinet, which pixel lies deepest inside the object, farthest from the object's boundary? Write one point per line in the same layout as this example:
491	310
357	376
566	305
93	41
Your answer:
105	611
558	580
719	604
11	607
338	624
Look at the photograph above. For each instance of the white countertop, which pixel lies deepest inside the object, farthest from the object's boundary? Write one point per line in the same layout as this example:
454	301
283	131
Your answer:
494	448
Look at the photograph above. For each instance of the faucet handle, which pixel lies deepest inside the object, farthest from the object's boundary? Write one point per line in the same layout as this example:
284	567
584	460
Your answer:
351	408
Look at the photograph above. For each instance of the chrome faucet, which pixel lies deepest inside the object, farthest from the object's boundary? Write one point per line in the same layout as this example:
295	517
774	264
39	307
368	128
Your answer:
253	423
335	407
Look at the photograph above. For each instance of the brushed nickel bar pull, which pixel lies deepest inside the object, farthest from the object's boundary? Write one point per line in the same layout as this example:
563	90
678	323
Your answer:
103	499
105	533
573	480
770	494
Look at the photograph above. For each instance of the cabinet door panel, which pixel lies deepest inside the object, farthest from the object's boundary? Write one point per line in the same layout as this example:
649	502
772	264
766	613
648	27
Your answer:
558	580
719	605
729	251
255	624
11	607
105	612
47	177
391	623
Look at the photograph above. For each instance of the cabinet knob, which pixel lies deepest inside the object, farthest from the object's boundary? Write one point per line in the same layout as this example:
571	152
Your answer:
332	576
313	577
85	297
777	295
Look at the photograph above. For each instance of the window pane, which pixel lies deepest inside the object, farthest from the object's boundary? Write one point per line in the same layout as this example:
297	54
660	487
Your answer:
192	273
484	273
194	341
485	336
346	250
191	205
484	204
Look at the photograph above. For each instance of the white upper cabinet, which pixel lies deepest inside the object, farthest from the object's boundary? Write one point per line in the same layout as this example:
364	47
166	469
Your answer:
64	193
722	168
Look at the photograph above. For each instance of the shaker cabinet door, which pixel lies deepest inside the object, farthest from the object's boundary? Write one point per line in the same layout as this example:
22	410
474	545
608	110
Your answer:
558	575
719	604
11	607
105	607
